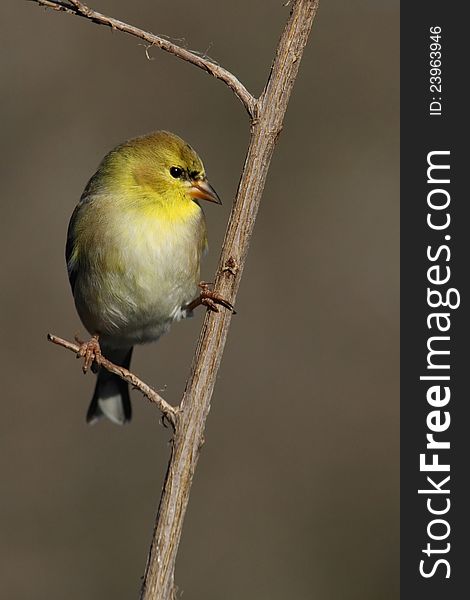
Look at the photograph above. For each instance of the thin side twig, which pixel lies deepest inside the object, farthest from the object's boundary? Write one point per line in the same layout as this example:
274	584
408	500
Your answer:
170	412
75	7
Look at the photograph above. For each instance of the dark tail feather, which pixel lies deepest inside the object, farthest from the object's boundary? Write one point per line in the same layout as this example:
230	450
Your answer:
111	397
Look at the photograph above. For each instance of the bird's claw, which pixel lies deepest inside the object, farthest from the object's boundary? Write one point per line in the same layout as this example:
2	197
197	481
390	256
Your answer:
211	299
90	351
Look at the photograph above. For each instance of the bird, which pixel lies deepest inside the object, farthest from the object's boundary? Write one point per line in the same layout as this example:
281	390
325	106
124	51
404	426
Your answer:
134	246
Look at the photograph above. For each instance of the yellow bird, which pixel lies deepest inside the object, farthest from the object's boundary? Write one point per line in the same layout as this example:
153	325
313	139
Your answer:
134	245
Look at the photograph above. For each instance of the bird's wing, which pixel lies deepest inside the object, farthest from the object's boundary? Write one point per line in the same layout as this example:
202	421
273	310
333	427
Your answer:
70	248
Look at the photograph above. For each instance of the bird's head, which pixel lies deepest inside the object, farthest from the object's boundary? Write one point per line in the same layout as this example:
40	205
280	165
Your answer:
159	166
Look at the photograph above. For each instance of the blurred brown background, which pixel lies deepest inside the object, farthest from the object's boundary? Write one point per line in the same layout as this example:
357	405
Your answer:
296	494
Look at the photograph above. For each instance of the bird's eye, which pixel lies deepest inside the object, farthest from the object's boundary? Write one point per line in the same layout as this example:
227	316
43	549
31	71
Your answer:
176	172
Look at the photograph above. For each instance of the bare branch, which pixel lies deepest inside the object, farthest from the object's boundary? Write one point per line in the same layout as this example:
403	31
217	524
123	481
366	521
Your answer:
195	405
189	418
168	411
75	7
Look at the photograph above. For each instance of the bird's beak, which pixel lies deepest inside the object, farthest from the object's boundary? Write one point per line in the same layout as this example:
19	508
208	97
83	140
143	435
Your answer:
202	189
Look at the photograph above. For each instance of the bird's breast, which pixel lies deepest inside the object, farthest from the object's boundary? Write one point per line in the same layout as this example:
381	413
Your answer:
138	271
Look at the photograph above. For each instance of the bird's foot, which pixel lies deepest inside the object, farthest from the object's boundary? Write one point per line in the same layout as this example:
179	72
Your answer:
90	351
211	299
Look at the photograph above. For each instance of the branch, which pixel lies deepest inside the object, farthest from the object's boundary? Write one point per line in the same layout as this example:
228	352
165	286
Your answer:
159	575
74	7
168	411
189	418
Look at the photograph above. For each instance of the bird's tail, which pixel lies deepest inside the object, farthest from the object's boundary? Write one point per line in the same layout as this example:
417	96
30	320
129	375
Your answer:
111	397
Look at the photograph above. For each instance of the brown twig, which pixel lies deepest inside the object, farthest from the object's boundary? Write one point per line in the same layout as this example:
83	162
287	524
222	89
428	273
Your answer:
267	115
159	576
78	8
168	411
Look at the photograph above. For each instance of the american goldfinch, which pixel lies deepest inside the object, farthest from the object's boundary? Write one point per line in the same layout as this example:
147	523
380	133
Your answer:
134	245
